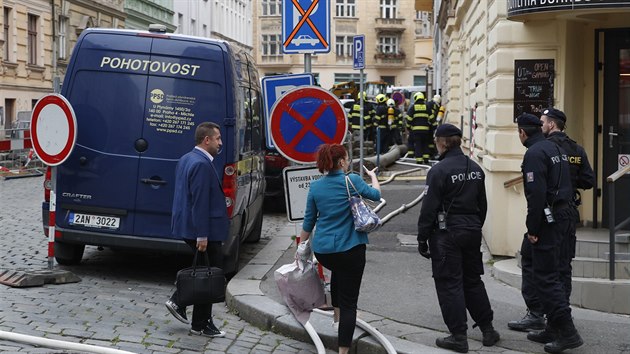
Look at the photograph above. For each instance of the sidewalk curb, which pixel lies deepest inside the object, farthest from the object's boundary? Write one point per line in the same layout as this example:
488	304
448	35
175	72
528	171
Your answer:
243	296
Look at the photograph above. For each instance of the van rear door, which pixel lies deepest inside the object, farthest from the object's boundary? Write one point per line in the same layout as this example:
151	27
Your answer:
99	178
180	95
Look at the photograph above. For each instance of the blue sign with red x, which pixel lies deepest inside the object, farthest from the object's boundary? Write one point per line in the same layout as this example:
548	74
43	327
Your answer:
306	26
303	119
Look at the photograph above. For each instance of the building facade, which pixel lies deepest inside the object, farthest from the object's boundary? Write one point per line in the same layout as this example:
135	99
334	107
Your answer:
142	13
26	58
229	20
71	18
496	59
398	41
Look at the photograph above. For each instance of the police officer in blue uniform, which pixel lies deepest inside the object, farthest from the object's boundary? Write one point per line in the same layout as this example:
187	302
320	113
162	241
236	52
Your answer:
582	177
452	214
550	224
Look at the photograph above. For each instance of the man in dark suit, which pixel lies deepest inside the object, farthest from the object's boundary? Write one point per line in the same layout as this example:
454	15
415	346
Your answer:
200	217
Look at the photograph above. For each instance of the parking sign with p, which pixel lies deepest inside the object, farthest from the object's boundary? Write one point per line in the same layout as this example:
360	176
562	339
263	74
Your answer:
358	52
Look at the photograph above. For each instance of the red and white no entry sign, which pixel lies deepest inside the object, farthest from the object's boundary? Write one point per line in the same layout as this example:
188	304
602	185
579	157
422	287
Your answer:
53	129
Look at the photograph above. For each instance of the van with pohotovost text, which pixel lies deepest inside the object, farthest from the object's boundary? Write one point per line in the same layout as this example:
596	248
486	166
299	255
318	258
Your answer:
138	97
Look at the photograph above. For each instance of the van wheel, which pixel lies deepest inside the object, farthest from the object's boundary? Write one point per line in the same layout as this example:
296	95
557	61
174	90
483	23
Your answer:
68	254
254	236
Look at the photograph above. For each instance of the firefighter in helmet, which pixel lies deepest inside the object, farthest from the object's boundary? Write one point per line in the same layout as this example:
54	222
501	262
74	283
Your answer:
419	129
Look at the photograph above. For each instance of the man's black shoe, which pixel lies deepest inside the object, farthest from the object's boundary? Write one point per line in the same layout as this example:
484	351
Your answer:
564	341
545	336
210	331
456	342
531	322
490	336
178	312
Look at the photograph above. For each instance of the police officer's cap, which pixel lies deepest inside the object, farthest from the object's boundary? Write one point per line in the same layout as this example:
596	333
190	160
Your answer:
528	119
555	113
446	130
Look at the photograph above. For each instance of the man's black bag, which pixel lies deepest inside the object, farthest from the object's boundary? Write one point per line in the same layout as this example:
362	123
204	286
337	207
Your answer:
200	284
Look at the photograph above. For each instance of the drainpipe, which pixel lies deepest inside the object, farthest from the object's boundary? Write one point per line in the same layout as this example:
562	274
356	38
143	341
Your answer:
55	79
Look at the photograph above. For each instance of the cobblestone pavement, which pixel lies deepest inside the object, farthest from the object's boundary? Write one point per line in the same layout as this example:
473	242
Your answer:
119	302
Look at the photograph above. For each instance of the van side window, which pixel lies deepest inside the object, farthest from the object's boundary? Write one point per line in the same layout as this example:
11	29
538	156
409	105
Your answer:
257	121
245	122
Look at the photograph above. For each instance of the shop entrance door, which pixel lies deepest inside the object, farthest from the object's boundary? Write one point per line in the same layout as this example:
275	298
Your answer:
616	130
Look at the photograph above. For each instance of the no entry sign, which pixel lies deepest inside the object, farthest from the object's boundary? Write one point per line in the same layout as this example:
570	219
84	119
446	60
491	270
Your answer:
53	129
303	119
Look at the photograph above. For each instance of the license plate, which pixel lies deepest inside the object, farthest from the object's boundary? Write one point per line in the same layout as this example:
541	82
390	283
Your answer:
96	221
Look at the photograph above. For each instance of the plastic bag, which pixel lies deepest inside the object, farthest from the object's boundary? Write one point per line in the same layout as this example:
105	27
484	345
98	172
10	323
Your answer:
365	219
301	288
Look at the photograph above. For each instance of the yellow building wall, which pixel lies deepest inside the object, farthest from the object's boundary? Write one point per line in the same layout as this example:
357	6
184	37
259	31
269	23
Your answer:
482	47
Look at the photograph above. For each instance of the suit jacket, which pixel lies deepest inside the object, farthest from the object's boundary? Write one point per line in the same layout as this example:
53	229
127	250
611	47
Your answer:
199	208
328	207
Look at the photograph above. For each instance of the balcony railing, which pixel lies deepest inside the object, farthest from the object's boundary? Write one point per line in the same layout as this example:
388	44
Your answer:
390	24
388	59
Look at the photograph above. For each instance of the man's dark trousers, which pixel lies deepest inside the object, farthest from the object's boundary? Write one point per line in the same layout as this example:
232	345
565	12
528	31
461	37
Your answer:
565	256
203	312
457	268
546	267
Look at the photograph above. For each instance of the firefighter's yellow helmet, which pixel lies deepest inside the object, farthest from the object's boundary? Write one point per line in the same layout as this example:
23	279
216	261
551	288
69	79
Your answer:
418	96
381	98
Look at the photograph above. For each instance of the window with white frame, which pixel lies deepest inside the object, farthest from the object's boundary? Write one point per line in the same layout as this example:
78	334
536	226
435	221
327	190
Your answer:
32	39
388	8
425	28
345	77
272	7
388	44
343	46
271	45
345	8
63	44
180	23
7	30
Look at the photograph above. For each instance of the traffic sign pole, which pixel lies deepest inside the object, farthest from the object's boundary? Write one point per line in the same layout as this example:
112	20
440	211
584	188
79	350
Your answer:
307	62
358	62
54	134
51	218
361	135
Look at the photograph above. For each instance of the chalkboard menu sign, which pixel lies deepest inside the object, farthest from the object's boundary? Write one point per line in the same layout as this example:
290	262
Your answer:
533	86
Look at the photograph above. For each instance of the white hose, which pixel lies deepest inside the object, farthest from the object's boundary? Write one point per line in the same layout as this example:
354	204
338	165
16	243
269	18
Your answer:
368	328
319	345
53	343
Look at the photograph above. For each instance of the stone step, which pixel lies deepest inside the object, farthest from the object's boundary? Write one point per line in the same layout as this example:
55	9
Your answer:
597	268
598	247
596	294
586	267
619	256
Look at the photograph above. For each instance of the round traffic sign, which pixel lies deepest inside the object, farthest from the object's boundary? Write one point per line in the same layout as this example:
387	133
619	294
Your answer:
305	118
398	97
53	129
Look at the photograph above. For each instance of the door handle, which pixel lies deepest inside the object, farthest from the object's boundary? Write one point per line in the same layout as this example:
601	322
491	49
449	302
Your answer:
611	135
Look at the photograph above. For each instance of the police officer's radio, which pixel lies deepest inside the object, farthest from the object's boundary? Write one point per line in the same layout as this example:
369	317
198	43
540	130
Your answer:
549	215
441	216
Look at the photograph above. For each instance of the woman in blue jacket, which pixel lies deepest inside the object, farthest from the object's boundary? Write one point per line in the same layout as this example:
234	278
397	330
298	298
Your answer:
337	245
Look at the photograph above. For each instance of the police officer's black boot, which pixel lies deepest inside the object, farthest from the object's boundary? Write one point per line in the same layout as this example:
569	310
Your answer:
567	338
545	336
490	335
531	322
456	342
